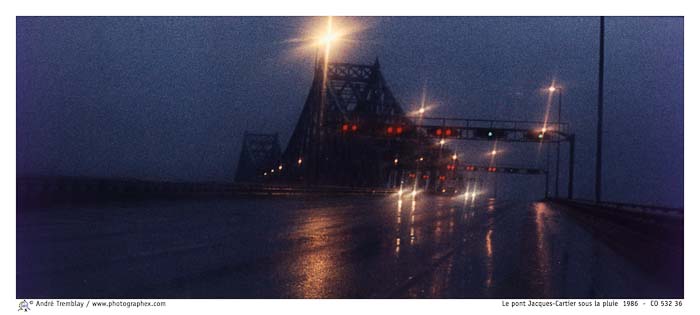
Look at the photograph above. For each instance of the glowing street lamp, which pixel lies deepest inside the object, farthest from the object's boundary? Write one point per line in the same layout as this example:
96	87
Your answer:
454	156
328	38
552	88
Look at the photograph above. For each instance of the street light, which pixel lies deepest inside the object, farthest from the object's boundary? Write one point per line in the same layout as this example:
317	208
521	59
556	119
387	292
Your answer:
551	90
492	169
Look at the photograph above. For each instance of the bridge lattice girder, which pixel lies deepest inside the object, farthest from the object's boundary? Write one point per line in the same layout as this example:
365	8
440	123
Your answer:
258	153
353	94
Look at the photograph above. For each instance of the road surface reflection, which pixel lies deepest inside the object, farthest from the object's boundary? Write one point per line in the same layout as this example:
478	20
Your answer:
416	246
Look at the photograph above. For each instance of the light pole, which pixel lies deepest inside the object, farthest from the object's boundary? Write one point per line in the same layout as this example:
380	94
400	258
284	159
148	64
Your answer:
599	129
553	89
493	153
546	173
325	41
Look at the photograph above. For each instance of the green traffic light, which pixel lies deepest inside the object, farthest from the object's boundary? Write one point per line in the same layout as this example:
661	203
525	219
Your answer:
540	136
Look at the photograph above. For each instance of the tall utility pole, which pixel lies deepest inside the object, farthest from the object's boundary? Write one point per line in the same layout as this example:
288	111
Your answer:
546	172
556	178
599	142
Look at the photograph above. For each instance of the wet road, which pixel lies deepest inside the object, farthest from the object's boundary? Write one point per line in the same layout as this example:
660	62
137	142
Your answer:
340	247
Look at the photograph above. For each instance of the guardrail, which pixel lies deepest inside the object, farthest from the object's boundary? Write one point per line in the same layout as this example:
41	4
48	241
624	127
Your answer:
627	207
278	190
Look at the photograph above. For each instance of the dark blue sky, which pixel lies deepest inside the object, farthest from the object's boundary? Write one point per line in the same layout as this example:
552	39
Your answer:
170	98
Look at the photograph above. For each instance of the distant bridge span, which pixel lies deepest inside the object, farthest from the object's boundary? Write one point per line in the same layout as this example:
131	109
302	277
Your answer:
352	131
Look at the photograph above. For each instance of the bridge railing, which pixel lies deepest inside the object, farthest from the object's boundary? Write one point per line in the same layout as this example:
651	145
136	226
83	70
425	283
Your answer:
628	207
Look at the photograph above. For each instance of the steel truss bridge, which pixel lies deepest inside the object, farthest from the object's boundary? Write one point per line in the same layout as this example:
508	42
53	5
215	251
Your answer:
353	132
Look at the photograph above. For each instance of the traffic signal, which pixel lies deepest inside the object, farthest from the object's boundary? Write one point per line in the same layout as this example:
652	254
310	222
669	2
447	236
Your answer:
395	130
349	127
489	133
436	131
442	132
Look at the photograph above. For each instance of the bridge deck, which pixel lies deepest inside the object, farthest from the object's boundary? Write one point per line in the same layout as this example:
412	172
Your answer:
341	247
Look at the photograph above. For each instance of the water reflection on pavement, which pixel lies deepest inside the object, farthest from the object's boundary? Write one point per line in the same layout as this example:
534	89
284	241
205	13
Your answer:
343	247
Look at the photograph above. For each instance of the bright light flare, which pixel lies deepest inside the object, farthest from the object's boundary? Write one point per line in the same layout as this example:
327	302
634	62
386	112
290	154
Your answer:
315	37
327	39
420	112
332	34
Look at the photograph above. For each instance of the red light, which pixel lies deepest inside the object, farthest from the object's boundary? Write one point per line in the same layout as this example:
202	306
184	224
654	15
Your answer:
438	132
470	168
448	132
399	130
491	169
390	130
425	176
354	127
345	127
442	177
411	175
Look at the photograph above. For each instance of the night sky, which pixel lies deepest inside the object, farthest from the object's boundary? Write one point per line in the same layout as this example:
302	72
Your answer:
169	98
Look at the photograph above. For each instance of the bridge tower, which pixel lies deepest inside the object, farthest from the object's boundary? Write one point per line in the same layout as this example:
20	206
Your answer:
259	154
334	141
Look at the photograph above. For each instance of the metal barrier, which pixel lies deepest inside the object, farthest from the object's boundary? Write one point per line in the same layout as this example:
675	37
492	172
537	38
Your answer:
627	207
